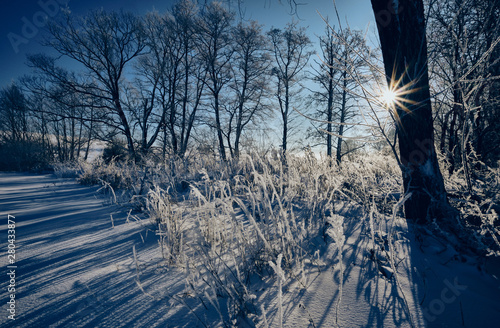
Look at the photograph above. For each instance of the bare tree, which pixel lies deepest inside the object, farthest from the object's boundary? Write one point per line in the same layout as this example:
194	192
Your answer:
216	51
104	44
291	55
13	114
342	53
250	67
173	73
159	72
21	143
186	15
66	121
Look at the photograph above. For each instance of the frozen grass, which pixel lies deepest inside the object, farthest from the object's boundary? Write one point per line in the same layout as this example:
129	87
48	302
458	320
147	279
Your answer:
479	206
233	226
242	217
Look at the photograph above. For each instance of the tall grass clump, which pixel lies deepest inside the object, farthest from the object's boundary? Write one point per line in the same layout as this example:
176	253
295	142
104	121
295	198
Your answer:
256	212
168	221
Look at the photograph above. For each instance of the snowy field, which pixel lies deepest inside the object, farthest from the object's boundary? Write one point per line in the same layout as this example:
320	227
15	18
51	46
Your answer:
83	261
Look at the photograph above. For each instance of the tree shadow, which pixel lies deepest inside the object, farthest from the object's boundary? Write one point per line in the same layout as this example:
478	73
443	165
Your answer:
74	269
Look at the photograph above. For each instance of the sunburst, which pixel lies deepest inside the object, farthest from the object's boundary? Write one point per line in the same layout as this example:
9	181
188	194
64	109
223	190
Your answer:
395	98
388	96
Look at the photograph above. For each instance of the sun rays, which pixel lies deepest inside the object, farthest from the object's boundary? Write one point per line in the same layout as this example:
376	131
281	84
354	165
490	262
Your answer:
396	97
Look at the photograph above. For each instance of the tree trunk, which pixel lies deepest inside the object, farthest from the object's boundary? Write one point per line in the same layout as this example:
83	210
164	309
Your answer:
239	118
343	110
329	115
404	49
126	127
220	137
285	117
91	129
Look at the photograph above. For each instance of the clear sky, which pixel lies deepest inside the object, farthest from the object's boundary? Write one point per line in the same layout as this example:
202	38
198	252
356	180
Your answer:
21	22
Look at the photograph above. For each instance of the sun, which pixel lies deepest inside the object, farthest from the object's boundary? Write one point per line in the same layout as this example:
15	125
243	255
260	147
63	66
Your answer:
389	96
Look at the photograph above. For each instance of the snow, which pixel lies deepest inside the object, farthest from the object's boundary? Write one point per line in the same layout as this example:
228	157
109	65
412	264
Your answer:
74	269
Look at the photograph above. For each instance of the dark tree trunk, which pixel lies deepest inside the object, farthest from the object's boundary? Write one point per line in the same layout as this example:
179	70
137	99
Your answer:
285	117
343	111
329	117
91	130
126	127
239	118
220	137
401	29
444	127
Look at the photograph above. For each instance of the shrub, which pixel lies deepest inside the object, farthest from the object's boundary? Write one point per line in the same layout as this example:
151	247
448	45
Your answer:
25	155
114	151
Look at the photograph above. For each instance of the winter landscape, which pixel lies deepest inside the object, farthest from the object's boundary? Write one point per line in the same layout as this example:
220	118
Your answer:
274	164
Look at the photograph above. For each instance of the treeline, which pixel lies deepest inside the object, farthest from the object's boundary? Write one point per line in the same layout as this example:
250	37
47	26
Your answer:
194	77
198	77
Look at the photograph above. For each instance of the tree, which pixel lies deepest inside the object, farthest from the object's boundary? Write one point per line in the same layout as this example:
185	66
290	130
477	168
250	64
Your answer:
291	54
61	116
13	114
343	53
21	145
216	51
64	118
160	72
249	70
185	13
404	50
104	44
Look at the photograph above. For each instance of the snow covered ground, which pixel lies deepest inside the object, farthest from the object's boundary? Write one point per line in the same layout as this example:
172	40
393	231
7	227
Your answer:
73	268
76	268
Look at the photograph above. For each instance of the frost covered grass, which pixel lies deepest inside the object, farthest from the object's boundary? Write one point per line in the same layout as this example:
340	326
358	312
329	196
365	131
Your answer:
479	205
229	225
237	227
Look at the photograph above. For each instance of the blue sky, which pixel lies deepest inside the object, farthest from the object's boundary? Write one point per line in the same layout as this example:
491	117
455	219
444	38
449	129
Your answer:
21	22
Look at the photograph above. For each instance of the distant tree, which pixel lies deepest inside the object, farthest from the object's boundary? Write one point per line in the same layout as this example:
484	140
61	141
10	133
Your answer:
63	119
66	121
343	53
21	146
104	44
186	15
14	116
159	72
142	97
250	69
291	52
172	73
215	47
